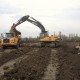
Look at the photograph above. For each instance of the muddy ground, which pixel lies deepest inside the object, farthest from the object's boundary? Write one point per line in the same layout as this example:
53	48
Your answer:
9	54
69	62
42	63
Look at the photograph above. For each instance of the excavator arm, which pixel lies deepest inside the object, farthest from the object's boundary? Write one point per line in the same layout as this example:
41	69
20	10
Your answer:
29	19
13	27
37	23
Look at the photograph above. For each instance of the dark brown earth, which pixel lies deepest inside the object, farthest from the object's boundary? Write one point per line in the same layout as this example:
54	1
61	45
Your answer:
6	56
33	67
69	63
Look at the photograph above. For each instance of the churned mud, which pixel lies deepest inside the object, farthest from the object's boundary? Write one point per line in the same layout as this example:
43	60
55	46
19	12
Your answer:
41	63
69	62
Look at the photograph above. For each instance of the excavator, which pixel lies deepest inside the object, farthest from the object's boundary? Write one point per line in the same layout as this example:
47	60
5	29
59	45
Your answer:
13	38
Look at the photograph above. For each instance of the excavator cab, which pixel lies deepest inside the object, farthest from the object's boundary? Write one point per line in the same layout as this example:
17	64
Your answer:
44	34
7	35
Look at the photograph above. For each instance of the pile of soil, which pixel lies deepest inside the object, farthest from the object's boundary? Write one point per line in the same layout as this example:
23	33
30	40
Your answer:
69	63
6	56
31	68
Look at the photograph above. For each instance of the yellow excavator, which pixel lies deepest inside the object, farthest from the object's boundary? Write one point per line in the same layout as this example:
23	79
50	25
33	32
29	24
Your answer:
13	38
44	37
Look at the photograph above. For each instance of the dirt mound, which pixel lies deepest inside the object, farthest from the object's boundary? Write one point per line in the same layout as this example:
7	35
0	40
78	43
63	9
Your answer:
31	68
69	63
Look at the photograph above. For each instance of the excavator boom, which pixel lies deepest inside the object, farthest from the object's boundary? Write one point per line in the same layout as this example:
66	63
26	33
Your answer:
13	27
37	23
29	19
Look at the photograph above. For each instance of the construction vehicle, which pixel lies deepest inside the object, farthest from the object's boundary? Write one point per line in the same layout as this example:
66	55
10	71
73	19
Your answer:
50	40
45	39
8	39
13	38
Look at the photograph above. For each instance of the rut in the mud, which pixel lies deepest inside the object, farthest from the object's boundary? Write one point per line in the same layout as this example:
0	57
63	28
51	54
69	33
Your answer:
10	64
46	63
31	68
7	56
50	71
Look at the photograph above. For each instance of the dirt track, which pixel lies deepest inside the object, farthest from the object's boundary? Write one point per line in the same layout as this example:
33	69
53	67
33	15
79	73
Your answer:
36	63
51	69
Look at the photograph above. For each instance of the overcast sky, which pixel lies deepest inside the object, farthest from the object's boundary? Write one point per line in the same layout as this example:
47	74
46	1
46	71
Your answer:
55	15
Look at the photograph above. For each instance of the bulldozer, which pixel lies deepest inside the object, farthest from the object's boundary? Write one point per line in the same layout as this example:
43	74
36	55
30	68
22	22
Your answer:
13	38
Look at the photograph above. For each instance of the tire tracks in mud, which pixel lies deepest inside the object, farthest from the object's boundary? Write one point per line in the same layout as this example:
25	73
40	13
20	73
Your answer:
51	69
32	67
38	64
10	64
8	55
